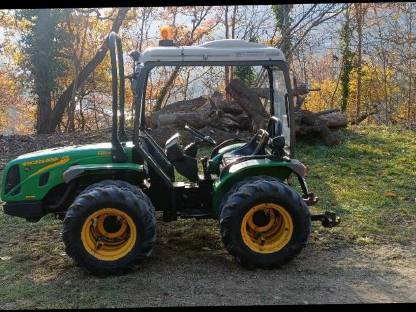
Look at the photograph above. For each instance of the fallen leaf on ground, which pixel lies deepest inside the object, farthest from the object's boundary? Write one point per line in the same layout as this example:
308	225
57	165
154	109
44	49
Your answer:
390	194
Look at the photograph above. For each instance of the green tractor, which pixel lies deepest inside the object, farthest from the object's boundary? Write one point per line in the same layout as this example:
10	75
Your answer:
107	193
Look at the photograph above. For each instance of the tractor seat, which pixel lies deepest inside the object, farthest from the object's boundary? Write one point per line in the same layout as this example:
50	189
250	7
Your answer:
256	146
183	163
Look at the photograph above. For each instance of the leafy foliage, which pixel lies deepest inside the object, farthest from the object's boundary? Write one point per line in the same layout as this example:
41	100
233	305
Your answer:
246	73
43	49
44	44
283	23
15	115
346	69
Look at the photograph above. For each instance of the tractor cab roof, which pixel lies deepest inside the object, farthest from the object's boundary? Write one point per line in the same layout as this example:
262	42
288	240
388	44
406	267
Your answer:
213	51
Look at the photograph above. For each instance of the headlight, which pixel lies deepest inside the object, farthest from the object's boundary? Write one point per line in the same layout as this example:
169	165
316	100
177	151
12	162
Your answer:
12	179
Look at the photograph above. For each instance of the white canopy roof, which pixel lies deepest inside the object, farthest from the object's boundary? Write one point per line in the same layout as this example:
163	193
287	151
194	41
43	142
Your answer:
218	50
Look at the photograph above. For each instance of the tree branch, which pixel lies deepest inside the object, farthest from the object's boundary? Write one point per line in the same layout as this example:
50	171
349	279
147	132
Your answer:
64	99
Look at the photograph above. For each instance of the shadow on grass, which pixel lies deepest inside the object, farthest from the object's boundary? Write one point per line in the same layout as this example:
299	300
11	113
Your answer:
317	157
369	178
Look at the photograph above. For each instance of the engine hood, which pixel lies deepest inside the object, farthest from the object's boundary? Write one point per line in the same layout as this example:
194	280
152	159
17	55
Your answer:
53	161
67	151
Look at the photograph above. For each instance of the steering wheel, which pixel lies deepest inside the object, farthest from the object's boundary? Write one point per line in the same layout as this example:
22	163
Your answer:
198	134
264	139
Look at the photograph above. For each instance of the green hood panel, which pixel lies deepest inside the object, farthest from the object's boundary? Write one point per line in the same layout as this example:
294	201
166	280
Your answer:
67	151
76	171
50	164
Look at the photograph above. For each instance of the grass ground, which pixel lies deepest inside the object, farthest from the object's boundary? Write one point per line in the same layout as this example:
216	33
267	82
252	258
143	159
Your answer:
369	179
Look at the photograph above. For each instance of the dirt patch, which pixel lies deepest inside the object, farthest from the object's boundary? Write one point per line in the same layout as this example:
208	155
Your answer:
189	267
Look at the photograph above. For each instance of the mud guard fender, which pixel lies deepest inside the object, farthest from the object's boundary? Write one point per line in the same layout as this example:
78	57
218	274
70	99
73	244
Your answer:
252	167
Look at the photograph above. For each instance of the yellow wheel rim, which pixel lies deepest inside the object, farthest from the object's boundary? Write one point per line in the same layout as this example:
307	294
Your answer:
266	228
109	234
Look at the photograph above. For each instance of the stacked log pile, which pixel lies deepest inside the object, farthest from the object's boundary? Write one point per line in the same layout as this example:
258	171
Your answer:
242	115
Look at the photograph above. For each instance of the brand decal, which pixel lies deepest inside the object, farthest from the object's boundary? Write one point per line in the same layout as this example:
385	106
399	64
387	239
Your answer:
41	161
56	161
104	153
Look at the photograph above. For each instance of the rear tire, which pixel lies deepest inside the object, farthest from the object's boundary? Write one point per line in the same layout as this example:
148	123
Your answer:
264	222
108	228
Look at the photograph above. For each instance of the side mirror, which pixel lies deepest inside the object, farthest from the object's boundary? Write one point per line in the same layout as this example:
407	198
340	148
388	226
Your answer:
275	126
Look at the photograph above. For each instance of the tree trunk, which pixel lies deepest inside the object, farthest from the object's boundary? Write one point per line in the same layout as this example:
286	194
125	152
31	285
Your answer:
359	16
227	107
286	44
233	37
43	33
333	119
166	89
77	65
346	61
65	98
410	68
227	36
249	102
187	105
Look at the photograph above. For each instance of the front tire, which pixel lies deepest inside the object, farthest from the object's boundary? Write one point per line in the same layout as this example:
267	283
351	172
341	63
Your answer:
264	223
109	228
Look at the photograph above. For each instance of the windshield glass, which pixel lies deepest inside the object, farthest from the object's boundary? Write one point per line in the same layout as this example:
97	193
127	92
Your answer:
199	92
281	103
200	96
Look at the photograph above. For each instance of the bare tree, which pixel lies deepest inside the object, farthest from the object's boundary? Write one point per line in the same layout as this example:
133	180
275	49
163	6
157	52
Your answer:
305	20
65	98
360	10
198	15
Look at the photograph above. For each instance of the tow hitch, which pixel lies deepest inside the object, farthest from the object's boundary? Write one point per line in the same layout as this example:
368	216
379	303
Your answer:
311	199
328	219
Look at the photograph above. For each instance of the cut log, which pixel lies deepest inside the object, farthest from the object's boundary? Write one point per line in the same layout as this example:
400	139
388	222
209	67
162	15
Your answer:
186	105
195	110
242	120
334	120
249	102
309	123
329	111
227	107
244	112
197	118
262	92
224	123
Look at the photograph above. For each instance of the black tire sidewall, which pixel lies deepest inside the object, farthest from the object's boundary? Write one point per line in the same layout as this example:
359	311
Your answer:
92	201
282	195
